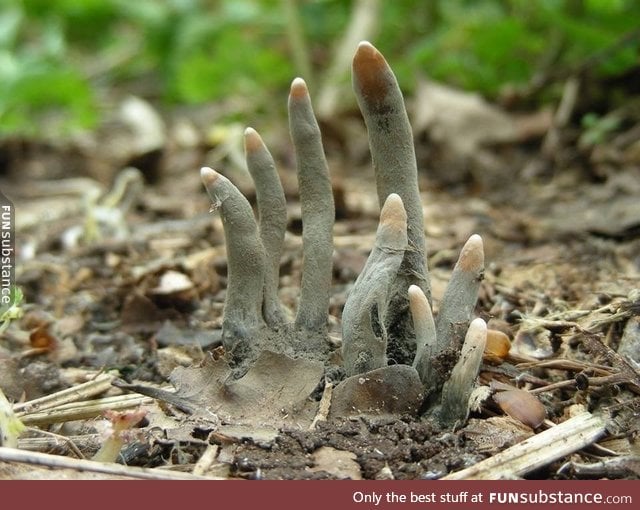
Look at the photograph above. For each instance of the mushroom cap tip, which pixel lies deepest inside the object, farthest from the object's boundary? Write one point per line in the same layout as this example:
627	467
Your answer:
208	175
299	88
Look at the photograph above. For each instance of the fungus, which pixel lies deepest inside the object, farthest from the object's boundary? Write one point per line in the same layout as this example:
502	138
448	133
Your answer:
318	211
457	389
364	335
246	263
272	212
396	171
388	309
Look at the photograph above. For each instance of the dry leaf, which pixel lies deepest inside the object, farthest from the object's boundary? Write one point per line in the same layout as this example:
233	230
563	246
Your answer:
395	389
339	463
274	391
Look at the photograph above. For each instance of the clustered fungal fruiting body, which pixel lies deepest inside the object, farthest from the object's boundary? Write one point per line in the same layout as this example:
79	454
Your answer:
396	171
318	212
389	306
364	318
273	221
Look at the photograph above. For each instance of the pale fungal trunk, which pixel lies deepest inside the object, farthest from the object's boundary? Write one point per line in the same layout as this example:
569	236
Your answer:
425	330
245	261
460	296
318	212
457	390
364	335
272	215
394	163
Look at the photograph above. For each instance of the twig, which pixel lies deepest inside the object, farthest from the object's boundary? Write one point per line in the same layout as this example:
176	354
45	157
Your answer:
86	390
616	467
83	410
55	443
206	460
537	451
56	461
363	24
56	437
297	40
325	405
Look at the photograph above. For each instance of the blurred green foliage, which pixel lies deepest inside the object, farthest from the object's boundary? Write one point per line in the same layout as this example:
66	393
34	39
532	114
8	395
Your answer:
59	59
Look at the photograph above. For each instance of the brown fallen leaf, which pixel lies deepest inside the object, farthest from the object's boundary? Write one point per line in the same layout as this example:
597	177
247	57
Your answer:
275	391
395	389
339	463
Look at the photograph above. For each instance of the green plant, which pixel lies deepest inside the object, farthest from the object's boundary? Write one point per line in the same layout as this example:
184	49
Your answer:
596	129
13	311
59	59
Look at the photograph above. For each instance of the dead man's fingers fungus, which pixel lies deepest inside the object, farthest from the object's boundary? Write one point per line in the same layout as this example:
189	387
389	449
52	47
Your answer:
318	212
364	344
458	388
272	216
392	150
461	294
245	261
425	330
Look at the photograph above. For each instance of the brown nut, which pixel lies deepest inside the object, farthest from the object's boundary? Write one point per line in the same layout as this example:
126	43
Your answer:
522	406
497	346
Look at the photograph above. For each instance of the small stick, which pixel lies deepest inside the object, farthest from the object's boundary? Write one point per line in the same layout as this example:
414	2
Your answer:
108	468
206	460
364	336
325	405
272	213
245	259
60	444
458	388
318	211
83	410
82	391
537	451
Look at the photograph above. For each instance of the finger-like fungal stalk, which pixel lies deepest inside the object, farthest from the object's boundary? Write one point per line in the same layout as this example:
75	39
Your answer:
272	215
388	311
245	259
457	390
394	162
461	295
318	212
364	344
425	330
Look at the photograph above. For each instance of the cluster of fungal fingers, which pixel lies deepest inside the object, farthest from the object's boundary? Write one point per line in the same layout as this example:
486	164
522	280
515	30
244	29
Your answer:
388	309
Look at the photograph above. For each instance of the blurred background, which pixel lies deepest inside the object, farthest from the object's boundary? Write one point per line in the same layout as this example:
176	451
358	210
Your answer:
63	62
503	95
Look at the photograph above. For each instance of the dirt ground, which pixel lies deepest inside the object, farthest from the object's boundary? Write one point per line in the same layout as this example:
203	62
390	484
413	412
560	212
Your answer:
133	280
